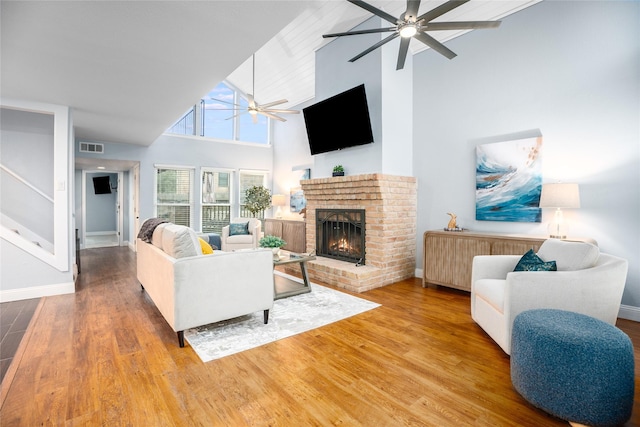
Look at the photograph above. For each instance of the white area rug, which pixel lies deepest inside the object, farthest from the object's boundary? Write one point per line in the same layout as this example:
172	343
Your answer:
289	316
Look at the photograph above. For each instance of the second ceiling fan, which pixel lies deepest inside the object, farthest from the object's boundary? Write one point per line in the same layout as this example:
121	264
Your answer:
409	25
254	108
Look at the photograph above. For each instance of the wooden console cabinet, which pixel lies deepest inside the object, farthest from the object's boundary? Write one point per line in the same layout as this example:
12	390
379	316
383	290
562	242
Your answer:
448	255
291	231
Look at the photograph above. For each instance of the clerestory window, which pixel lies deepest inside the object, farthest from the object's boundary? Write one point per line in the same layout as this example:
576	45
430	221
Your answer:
222	114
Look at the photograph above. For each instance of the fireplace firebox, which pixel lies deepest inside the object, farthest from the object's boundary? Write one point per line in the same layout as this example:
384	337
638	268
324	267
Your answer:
340	234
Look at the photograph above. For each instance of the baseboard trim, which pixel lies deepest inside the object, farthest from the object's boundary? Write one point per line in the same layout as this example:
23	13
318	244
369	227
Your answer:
37	292
629	312
101	233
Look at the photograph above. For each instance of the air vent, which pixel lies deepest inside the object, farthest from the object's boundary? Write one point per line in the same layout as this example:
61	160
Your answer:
91	147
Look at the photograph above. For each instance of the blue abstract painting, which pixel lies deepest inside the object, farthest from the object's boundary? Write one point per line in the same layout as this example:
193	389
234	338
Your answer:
509	181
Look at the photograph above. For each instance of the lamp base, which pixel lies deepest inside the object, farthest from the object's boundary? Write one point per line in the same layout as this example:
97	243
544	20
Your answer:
558	228
552	236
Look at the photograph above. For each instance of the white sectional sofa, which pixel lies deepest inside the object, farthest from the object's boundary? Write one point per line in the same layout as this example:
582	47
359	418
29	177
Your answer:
191	289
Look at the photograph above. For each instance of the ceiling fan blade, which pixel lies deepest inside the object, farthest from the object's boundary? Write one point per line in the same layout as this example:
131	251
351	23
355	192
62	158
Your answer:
441	10
273	116
462	25
375	11
412	9
272	110
352	33
374	47
435	45
236	115
402	53
271	104
225	102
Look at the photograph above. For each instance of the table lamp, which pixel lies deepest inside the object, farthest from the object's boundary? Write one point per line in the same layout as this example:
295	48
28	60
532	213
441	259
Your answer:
558	196
278	200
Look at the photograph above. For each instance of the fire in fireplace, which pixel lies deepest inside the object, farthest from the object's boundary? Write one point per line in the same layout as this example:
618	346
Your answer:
340	234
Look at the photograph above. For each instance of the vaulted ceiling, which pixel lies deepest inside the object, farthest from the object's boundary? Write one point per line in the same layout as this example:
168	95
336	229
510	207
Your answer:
129	69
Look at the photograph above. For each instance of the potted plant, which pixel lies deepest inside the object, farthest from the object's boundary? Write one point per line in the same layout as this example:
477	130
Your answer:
338	170
273	242
257	199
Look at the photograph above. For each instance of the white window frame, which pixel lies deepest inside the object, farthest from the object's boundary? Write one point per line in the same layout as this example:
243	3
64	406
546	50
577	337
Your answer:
265	180
232	195
191	204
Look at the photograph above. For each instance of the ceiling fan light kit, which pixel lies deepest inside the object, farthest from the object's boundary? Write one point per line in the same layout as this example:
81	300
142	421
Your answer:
410	25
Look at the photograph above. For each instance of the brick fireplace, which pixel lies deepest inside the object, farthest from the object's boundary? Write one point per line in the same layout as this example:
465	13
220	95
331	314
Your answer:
390	205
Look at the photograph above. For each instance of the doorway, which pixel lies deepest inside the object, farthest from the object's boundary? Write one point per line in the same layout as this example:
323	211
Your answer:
102	213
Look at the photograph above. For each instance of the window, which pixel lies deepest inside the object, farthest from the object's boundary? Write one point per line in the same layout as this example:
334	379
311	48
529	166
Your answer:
186	125
173	195
249	179
216	200
218	119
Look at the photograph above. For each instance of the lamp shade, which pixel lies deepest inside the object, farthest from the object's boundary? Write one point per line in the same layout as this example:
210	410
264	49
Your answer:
278	200
560	195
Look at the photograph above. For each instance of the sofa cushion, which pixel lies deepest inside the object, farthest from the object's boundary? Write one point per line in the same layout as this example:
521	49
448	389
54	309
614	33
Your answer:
236	229
240	238
156	238
179	241
569	256
492	291
532	262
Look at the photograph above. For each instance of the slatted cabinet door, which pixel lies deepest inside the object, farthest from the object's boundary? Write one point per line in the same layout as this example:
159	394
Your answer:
448	255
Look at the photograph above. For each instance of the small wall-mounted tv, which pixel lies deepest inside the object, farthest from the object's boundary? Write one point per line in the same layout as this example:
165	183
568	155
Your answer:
101	185
339	122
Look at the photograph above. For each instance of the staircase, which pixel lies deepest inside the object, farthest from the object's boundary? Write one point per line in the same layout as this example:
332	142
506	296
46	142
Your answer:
35	200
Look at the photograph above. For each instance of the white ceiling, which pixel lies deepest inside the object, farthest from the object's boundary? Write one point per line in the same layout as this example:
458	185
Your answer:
129	69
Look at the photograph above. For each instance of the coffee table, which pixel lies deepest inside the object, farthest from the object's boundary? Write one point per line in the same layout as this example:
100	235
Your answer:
284	287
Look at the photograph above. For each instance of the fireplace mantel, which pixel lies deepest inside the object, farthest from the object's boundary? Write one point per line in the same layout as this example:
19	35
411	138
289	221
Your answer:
390	203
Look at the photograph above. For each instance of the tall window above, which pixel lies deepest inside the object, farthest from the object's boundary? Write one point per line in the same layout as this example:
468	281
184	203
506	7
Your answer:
222	114
174	199
216	200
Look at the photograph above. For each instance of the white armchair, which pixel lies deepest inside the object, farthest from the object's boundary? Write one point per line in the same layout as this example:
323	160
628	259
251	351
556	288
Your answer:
231	241
587	282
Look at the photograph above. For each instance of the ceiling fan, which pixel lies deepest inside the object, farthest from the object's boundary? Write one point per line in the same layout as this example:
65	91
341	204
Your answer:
254	108
409	25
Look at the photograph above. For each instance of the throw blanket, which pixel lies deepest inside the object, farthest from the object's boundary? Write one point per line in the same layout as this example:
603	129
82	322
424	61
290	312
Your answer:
146	231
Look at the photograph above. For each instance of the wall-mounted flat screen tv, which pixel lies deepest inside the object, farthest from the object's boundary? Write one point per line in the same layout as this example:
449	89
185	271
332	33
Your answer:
339	122
101	185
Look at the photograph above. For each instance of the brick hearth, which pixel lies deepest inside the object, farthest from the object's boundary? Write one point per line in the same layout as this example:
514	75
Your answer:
390	204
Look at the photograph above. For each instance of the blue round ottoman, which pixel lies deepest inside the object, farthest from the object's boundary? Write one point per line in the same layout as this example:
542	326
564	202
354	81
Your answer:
575	367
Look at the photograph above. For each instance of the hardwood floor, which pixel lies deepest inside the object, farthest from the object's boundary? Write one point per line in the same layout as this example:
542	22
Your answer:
105	356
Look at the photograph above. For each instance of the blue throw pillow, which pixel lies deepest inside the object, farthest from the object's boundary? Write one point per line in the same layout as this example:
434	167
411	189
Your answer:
238	228
532	262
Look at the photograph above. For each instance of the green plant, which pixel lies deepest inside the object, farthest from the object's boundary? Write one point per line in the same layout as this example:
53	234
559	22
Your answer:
271	242
257	199
338	168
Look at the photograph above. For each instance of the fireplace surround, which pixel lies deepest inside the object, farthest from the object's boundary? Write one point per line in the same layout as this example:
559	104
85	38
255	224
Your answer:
389	203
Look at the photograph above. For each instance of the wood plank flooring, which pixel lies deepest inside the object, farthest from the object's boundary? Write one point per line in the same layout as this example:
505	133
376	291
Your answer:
105	356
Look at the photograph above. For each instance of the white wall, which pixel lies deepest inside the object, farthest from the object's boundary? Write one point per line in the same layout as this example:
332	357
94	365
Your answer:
544	70
193	152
